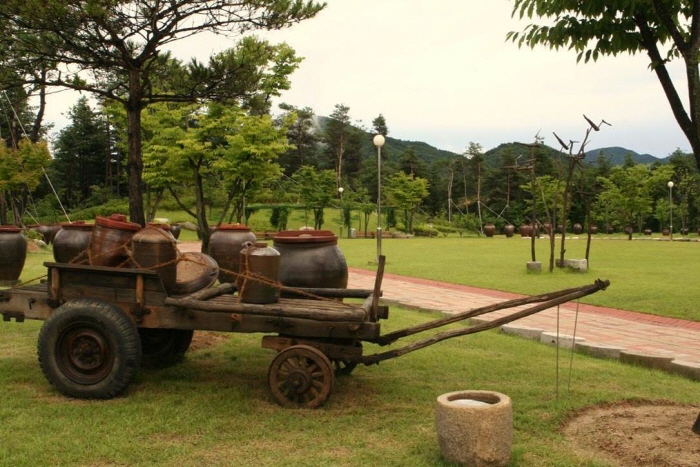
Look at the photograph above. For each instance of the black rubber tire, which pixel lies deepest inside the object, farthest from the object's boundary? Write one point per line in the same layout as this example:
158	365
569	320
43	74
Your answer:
162	348
89	349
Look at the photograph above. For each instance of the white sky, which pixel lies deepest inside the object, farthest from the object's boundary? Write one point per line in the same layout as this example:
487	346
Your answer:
442	72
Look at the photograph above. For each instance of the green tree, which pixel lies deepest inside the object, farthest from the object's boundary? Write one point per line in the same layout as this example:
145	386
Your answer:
336	137
21	170
82	155
203	149
114	50
406	192
664	30
302	135
316	189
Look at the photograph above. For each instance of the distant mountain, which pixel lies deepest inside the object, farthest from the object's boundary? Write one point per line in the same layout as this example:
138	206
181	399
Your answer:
430	153
617	156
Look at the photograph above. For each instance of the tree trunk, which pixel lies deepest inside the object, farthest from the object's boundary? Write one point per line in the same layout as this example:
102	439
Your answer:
135	161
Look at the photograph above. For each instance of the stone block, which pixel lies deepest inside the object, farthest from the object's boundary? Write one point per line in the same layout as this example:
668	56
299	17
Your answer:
528	332
576	265
688	369
562	340
646	359
475	428
595	349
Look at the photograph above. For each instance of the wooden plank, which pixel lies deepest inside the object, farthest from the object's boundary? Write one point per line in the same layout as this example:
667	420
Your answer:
245	323
319	310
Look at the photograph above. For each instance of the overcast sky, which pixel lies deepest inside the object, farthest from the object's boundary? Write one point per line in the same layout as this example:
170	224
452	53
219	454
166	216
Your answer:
442	72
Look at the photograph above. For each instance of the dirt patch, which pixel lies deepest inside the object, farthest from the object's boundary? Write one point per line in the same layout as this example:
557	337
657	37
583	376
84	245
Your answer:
206	339
638	434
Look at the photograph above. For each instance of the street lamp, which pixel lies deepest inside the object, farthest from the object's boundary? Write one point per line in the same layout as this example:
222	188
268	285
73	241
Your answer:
340	192
670	210
379	142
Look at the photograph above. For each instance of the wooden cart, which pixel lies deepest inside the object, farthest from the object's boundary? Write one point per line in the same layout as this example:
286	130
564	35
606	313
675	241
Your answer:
101	323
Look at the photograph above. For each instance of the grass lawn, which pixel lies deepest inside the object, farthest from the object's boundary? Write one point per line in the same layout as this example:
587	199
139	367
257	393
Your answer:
215	409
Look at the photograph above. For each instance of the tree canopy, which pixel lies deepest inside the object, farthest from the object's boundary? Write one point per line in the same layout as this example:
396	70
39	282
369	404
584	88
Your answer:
663	29
114	50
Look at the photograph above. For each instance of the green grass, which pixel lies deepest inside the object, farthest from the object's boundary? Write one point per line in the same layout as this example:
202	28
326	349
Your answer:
215	409
649	276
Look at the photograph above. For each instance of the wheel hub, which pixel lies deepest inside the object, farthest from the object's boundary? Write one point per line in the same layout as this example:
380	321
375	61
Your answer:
299	381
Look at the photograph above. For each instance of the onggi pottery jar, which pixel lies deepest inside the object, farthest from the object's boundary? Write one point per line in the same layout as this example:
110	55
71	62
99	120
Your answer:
525	230
109	243
195	271
259	274
509	230
225	244
311	258
489	230
71	243
13	253
154	248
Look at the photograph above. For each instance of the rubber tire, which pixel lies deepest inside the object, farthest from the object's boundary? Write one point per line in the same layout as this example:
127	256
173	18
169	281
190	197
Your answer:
162	348
89	349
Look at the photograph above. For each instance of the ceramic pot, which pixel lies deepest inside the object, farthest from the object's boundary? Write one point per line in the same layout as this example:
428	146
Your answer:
195	271
525	230
509	230
109	242
311	258
154	248
225	245
13	253
259	274
70	245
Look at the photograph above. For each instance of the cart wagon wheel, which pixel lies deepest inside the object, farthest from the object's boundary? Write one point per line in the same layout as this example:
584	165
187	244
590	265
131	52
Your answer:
89	349
300	376
163	347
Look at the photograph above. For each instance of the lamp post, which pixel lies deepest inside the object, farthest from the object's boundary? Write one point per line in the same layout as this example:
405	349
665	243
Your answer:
670	210
340	192
379	142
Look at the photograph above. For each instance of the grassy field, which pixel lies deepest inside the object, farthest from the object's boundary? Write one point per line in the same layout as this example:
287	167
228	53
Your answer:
215	409
646	275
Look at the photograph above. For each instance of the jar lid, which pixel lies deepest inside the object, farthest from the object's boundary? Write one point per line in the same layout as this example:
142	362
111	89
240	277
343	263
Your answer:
305	236
9	229
232	227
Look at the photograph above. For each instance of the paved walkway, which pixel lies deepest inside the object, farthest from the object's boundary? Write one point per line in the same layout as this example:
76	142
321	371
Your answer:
629	330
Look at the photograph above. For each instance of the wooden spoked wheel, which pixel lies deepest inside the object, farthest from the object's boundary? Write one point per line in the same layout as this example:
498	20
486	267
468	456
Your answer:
301	376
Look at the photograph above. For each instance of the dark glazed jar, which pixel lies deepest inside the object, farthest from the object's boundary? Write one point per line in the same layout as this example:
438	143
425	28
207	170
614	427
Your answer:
577	228
259	274
109	243
225	244
154	248
175	230
489	230
509	230
525	230
71	243
13	253
311	258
